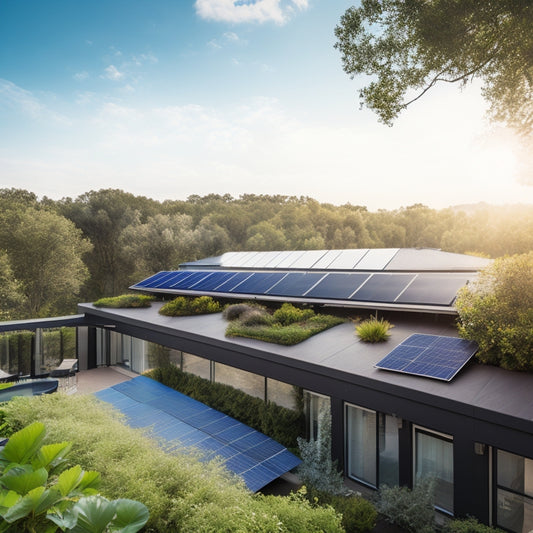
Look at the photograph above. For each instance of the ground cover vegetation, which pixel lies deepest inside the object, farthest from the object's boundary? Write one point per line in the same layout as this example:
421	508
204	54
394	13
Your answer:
125	301
106	240
287	325
373	330
281	424
183	306
40	493
496	311
181	493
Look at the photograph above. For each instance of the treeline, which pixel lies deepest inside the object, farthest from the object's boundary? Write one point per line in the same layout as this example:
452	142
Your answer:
54	254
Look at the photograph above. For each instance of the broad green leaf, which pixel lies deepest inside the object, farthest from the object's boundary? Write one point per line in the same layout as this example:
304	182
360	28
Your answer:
89	482
94	514
69	480
52	455
131	516
22	479
23	444
7	500
66	520
24	506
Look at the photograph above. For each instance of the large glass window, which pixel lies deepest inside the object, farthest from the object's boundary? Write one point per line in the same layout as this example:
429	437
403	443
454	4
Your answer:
514	510
371	446
196	365
314	403
252	384
434	461
281	394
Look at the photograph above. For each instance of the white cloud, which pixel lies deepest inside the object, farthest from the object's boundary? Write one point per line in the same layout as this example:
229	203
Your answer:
112	73
81	76
242	11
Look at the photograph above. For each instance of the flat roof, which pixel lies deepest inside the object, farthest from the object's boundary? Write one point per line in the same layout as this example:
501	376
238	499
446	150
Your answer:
479	391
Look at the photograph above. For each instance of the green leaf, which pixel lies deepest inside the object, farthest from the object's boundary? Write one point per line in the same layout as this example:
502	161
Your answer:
131	516
89	482
51	456
24	506
7	500
94	514
69	480
23	444
65	521
22	479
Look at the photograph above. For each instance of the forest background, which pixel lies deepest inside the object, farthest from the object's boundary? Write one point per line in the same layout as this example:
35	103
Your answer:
56	253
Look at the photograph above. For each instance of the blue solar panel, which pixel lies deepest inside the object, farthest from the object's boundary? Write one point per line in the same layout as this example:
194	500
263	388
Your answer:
168	281
233	281
433	289
337	286
430	356
191	280
258	282
152	280
182	421
213	281
295	284
383	287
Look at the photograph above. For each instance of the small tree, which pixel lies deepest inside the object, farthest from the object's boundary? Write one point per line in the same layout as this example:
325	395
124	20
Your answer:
496	311
318	470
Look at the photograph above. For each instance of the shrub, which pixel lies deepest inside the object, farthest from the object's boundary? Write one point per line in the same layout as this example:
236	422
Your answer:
234	311
469	525
287	314
182	306
373	330
412	510
181	493
125	301
282	424
256	317
358	514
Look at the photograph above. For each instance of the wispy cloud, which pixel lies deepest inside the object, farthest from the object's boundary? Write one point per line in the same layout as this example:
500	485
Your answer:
112	73
242	11
14	97
228	38
81	76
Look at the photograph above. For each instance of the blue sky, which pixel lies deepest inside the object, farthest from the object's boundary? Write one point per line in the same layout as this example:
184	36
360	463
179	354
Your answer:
172	98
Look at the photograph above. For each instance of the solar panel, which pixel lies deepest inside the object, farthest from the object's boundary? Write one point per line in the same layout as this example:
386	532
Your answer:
326	259
295	284
152	279
182	421
337	285
258	282
213	281
433	289
230	283
376	259
382	287
308	259
347	259
430	356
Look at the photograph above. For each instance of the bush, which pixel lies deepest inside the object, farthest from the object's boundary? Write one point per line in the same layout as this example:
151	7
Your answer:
373	330
234	311
182	306
282	424
125	301
358	514
256	317
412	510
287	314
469	525
181	493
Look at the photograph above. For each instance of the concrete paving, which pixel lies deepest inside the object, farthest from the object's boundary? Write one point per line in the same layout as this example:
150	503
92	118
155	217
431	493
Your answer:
96	379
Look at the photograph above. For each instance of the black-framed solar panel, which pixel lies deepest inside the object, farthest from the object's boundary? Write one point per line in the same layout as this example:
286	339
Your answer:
232	282
337	285
295	284
153	279
175	277
210	283
433	289
188	282
430	356
258	282
382	287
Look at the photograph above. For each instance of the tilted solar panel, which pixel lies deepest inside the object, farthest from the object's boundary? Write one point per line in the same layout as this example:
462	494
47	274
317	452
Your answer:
382	287
182	421
337	285
295	284
430	356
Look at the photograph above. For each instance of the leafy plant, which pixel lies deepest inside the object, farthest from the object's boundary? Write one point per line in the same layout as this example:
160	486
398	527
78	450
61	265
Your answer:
36	488
182	306
288	314
373	330
469	525
234	311
125	301
412	510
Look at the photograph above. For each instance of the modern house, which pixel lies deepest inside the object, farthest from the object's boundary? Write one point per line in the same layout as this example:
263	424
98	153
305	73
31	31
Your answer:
394	421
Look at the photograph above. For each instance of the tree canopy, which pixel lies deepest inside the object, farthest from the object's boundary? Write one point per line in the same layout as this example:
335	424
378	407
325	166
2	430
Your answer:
408	46
496	311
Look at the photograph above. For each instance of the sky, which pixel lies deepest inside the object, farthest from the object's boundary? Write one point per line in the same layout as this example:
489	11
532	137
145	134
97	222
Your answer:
172	98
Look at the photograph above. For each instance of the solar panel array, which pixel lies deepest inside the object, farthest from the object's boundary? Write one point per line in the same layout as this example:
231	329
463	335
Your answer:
182	421
430	356
437	289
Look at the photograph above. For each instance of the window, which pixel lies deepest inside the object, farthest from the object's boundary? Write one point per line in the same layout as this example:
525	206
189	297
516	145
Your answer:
313	404
434	460
514	492
371	447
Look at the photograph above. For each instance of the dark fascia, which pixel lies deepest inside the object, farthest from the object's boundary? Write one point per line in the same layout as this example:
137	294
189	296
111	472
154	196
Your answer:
44	323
